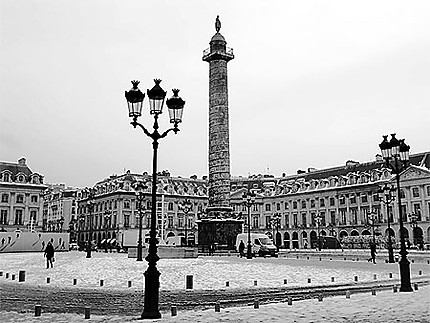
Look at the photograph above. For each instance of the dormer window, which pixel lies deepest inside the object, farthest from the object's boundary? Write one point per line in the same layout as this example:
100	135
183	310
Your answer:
6	177
21	179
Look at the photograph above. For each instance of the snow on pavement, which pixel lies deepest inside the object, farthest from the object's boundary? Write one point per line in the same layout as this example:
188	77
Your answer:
386	306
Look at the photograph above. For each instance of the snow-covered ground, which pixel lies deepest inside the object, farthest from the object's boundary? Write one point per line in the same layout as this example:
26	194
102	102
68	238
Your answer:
208	272
386	306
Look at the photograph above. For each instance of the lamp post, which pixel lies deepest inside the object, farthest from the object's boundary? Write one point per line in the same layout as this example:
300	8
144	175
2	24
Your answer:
371	221
413	219
175	105
318	219
186	207
276	221
90	205
386	196
249	200
394	153
106	215
81	228
140	187
60	224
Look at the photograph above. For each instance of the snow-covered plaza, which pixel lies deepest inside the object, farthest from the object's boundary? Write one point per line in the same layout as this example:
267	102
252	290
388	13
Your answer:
74	272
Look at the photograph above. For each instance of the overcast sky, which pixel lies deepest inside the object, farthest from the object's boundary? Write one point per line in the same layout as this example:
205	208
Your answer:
313	83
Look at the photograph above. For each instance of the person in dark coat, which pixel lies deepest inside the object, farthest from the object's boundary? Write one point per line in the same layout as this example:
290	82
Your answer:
49	254
241	248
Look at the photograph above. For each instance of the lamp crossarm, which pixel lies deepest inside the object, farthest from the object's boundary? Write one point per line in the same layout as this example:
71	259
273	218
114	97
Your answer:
155	135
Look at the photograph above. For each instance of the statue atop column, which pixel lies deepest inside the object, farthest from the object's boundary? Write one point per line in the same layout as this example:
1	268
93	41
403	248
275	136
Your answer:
217	24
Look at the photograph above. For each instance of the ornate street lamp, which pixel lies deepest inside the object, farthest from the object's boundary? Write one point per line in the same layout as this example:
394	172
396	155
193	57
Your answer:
386	196
90	205
106	215
249	200
140	188
186	206
396	152
276	222
175	105
318	219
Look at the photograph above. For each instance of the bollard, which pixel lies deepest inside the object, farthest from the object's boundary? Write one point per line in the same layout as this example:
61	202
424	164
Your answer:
420	272
290	300
255	283
285	281
391	275
416	286
320	297
373	292
129	283
101	282
394	288
21	276
217	306
256	303
37	310
332	279
309	280
412	261
348	294
48	280
320	258
227	284
173	310
374	276
189	282
428	262
13	276
7	275
307	258
344	258
297	257
75	281
356	278
331	258
87	312
1	273
358	259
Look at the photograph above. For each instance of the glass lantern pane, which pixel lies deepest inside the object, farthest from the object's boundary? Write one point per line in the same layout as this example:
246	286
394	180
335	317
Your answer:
156	106
175	115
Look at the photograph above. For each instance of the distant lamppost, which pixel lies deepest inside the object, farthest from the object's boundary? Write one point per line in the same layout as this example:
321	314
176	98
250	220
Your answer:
372	219
90	205
60	224
276	222
386	196
80	231
249	200
140	188
175	105
106	215
318	219
186	207
413	219
396	152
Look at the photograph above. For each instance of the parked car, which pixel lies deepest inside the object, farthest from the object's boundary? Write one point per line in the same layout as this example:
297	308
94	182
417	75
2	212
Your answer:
261	244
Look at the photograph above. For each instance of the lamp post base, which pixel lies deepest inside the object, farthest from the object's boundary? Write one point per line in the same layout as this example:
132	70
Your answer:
152	286
249	252
405	275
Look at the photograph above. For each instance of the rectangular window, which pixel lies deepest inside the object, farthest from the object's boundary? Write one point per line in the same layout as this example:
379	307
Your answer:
255	207
303	204
333	217
332	201
267	207
34	199
304	220
375	198
268	222
33	215
364	198
312	203
255	221
428	190
415	192
404	213
126	204
20	198
402	194
295	205
5	198
342	200
18	217
322	202
286	205
353	199
170	206
126	221
287	221
3	217
323	222
417	210
180	221
295	222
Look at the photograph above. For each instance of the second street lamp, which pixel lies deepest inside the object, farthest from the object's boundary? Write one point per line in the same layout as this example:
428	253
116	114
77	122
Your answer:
318	219
175	106
249	200
395	152
386	196
186	207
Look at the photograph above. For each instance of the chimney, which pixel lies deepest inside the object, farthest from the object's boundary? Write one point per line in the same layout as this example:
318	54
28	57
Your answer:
378	157
22	161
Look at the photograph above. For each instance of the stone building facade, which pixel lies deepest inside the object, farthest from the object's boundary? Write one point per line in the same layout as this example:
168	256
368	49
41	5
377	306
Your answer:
60	209
21	197
345	199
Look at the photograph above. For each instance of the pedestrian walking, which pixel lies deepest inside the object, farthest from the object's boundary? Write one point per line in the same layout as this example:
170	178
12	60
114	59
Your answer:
49	254
241	248
372	253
